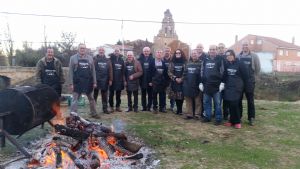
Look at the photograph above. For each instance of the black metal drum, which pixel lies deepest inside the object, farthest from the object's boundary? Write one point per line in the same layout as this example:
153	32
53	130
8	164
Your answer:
29	106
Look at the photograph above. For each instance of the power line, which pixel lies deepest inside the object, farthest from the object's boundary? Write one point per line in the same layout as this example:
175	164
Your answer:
147	21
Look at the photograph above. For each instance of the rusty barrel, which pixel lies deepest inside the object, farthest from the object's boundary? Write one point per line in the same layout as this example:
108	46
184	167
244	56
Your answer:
28	107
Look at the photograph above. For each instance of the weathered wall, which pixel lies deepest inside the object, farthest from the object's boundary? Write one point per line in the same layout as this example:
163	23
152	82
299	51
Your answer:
16	73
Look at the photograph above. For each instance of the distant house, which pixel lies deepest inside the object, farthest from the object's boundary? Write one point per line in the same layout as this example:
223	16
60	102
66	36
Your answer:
275	54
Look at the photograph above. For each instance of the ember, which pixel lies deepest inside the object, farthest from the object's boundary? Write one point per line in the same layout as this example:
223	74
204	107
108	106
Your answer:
83	144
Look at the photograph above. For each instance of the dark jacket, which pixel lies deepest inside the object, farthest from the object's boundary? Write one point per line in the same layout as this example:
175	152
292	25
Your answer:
133	68
252	64
160	78
118	69
211	74
41	68
191	78
148	66
235	76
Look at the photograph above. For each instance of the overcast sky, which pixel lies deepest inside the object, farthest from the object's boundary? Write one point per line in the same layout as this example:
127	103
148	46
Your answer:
97	32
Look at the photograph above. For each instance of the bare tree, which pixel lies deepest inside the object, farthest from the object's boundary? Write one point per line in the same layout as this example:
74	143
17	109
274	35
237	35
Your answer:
66	46
9	45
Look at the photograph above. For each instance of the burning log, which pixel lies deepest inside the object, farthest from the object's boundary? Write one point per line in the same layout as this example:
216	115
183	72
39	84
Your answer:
74	133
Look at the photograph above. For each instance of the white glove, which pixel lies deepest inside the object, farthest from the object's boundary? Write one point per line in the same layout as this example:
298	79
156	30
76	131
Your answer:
201	87
221	87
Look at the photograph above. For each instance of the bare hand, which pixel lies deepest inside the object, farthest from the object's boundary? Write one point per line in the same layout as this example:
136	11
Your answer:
110	83
150	84
94	85
130	77
125	84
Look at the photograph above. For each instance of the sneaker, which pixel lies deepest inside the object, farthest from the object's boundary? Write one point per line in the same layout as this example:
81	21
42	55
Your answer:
228	124
144	109
118	109
129	110
135	110
238	126
251	122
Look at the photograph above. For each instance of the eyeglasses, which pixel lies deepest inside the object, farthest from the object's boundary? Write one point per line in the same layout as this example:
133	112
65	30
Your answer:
178	52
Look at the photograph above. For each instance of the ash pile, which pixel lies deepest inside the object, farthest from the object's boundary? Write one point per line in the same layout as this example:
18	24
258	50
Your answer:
87	145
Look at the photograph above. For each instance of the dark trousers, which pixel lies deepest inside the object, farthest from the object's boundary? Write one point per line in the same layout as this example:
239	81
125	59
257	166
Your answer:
179	104
234	110
148	92
250	104
172	103
111	98
135	99
103	97
162	100
225	106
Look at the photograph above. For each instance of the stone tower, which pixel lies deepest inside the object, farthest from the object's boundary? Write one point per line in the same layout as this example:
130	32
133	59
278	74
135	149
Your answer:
167	32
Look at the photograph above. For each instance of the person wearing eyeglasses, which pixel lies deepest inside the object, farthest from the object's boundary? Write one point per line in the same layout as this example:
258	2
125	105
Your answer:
235	76
211	86
133	71
191	80
175	72
148	64
253	66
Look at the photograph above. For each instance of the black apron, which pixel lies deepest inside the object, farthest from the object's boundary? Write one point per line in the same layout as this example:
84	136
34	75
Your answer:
102	73
247	60
118	83
83	79
212	76
146	67
132	85
192	80
159	81
50	76
178	72
233	82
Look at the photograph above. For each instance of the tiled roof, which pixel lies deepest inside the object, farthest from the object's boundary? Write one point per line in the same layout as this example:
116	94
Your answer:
277	42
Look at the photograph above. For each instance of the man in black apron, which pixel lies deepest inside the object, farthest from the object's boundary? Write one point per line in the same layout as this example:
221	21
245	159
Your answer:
117	86
104	77
49	71
252	63
148	64
133	71
83	79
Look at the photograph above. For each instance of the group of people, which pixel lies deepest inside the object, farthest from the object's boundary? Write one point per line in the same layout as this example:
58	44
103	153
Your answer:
219	77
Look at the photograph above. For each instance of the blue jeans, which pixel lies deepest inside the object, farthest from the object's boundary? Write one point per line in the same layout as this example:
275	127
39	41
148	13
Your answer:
207	101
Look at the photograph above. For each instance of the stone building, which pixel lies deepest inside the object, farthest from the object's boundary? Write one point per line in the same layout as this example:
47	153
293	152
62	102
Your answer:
167	33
